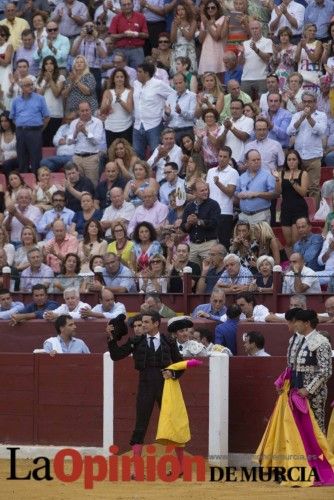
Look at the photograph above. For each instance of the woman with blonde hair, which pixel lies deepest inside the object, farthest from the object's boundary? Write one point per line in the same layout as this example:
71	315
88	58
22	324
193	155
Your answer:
134	189
80	86
122	153
193	172
267	242
121	245
44	189
29	241
153	278
211	96
6	246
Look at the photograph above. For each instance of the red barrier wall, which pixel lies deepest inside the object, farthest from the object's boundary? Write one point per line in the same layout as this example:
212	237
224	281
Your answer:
51	401
276	336
58	401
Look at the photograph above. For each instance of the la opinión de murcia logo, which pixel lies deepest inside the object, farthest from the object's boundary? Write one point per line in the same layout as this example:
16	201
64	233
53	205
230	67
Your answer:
150	468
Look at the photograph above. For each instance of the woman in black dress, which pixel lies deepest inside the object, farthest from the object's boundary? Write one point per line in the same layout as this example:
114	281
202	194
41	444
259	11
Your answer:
293	185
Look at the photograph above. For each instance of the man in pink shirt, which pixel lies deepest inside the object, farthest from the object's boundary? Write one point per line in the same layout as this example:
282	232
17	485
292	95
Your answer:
150	211
129	32
59	246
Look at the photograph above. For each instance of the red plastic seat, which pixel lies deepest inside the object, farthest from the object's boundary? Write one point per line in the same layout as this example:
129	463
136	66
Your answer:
326	174
29	179
46	152
58	178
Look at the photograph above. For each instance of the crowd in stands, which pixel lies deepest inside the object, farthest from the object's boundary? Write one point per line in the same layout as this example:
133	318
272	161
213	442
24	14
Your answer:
140	138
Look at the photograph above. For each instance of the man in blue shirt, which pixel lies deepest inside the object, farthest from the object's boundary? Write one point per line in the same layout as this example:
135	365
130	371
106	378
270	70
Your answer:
116	276
59	211
255	190
31	115
279	119
40	303
65	342
214	309
309	244
320	13
226	333
7	305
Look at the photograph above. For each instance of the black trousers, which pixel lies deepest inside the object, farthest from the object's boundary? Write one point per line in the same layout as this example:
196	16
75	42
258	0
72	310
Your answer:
225	229
125	134
50	131
29	148
151	383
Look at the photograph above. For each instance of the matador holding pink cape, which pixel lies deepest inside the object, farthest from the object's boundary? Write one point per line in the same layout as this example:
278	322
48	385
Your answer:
295	434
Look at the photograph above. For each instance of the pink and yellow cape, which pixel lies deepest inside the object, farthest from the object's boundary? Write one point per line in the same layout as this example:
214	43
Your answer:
293	438
173	425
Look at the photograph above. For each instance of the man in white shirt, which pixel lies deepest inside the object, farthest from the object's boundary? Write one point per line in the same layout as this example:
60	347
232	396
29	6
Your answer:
255	56
254	344
64	151
250	311
237	129
272	83
119	210
180	108
87	135
326	257
300	279
167	151
108	308
289	13
309	127
222	181
149	97
72	306
173	182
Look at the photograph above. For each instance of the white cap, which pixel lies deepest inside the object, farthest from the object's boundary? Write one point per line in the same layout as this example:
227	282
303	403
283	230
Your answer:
187	270
98	269
6	270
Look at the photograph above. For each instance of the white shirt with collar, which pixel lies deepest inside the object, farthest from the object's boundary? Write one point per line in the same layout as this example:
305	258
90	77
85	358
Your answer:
167	188
260	353
125	212
90	143
228	177
175	155
308	277
75	313
117	308
156	340
294	9
244	124
149	102
308	140
187	103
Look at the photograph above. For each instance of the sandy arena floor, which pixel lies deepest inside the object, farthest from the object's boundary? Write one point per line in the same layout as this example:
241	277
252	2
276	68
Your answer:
56	490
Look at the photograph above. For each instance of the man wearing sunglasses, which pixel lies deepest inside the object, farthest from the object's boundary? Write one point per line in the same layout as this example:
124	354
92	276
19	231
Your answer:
71	15
55	45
